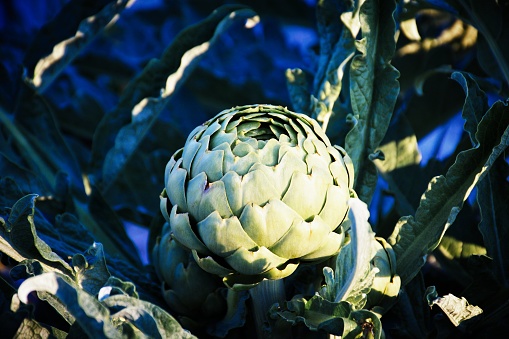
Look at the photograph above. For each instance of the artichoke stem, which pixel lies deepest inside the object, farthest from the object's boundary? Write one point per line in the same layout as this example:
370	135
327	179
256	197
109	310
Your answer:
263	296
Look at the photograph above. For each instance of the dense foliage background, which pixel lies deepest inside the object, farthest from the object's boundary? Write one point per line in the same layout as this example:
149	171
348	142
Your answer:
77	166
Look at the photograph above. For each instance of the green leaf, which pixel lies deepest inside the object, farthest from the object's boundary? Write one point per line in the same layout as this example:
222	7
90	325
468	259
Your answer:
335	318
415	236
400	166
452	248
353	276
89	313
150	319
493	197
373	91
19	240
114	316
108	222
48	68
121	131
317	313
476	103
298	89
336	50
91	272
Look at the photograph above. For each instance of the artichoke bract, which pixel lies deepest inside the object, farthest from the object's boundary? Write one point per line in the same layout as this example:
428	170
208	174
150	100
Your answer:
255	191
187	289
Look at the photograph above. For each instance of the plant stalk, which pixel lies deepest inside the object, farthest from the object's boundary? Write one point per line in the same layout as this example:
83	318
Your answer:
263	296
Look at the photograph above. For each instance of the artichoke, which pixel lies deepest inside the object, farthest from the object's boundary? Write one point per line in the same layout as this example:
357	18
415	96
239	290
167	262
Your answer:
187	289
255	191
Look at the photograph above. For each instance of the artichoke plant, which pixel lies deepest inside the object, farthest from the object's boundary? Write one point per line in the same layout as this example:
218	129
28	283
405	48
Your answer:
255	191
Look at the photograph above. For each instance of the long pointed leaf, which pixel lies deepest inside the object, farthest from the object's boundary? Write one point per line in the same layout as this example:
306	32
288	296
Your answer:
373	91
415	236
121	131
48	68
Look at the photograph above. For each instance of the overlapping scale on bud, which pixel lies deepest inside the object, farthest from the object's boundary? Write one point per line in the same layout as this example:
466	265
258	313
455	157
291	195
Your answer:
188	290
255	191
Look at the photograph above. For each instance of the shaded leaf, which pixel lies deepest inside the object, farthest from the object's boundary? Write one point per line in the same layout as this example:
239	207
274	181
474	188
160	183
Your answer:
19	240
476	103
493	197
415	236
400	167
336	50
62	26
334	318
142	100
90	269
64	52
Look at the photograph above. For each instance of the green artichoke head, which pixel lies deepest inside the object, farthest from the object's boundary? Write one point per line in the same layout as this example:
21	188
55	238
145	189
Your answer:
255	191
187	289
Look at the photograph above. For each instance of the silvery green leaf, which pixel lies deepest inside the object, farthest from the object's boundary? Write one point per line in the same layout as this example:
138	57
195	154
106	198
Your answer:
352	278
298	89
91	272
373	90
334	318
336	50
110	318
456	309
415	236
87	310
151	320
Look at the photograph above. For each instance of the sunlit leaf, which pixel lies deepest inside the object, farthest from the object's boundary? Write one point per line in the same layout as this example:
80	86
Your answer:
456	309
454	249
109	317
373	91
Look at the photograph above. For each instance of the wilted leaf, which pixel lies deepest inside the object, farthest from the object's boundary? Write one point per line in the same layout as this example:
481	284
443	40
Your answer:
456	309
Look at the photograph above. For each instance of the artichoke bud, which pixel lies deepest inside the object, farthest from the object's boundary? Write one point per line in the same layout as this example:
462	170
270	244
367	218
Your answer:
187	289
255	191
387	283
